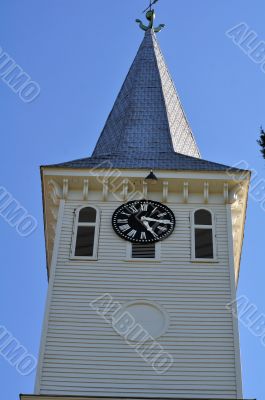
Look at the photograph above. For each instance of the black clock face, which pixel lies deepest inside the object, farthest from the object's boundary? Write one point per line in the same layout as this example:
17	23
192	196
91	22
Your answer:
143	221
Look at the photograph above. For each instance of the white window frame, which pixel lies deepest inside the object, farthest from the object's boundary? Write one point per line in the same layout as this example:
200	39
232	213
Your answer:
157	258
196	226
96	237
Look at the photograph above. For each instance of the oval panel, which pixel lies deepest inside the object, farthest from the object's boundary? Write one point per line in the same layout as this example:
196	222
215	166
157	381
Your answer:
149	316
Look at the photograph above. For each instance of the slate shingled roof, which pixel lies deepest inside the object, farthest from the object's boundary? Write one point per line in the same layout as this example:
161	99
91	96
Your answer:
147	127
147	115
165	161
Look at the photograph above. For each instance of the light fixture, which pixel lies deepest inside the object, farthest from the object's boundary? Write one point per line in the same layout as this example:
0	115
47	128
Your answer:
151	178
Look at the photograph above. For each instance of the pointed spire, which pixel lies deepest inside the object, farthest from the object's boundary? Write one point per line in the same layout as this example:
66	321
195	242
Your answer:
147	117
147	127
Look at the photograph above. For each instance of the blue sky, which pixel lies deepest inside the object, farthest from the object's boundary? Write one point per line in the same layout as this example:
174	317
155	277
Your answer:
79	52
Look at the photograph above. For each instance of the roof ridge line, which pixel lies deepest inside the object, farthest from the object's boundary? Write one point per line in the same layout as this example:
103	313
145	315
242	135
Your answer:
174	85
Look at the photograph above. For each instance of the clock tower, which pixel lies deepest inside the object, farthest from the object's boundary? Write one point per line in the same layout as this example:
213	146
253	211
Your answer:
143	244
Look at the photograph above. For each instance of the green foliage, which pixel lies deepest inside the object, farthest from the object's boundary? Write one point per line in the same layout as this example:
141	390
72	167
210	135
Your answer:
261	142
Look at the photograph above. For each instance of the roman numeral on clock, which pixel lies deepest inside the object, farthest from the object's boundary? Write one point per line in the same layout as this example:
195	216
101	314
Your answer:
122	221
132	233
133	209
162	228
144	207
124	213
124	228
161	215
143	236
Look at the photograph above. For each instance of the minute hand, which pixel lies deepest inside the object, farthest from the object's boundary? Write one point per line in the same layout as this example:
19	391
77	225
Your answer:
161	221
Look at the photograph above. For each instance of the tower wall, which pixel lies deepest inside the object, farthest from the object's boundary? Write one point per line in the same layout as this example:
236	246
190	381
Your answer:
81	354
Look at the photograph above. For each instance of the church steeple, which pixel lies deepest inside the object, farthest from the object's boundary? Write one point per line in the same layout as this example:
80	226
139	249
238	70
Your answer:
147	117
135	256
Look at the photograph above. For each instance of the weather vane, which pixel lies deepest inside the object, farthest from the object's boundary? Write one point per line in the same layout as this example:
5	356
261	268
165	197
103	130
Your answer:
150	16
150	5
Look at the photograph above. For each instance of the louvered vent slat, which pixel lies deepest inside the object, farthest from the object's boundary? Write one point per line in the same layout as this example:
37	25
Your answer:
143	251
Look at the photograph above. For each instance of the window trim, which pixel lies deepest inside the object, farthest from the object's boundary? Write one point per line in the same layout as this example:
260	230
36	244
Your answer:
196	226
157	258
96	237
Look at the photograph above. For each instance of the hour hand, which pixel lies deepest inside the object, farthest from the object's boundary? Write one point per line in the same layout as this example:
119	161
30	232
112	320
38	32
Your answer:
160	221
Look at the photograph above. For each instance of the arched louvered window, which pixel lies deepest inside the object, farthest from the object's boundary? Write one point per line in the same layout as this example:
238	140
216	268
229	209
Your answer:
85	241
203	235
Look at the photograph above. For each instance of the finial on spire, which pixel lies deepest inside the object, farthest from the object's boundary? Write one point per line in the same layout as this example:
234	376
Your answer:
150	16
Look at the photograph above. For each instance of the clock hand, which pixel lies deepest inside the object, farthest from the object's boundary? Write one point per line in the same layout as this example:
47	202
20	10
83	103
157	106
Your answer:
161	221
148	227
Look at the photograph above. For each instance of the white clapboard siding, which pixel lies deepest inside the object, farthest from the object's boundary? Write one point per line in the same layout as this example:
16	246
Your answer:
82	353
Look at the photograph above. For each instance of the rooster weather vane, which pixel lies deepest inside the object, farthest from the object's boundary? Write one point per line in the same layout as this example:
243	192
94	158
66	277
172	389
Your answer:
150	16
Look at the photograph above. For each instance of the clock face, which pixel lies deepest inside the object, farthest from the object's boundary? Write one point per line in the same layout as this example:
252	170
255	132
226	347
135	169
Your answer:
143	221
